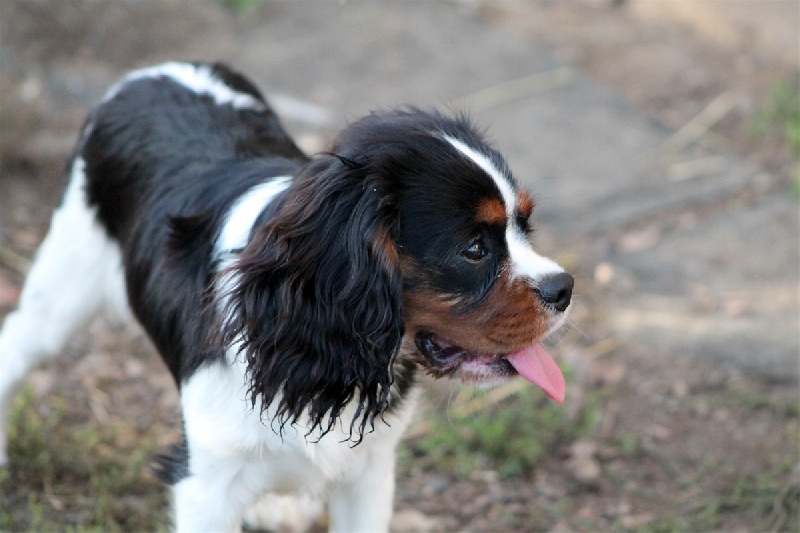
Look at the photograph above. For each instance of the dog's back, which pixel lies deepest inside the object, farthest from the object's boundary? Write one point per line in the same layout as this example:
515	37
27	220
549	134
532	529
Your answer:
176	129
180	142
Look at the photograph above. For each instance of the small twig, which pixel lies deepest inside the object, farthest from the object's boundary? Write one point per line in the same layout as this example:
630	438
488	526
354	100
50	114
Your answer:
471	405
300	111
603	347
468	405
696	168
418	430
777	517
514	90
664	459
702	122
14	261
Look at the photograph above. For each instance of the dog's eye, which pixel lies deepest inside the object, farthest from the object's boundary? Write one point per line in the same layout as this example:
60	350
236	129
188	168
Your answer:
523	223
475	251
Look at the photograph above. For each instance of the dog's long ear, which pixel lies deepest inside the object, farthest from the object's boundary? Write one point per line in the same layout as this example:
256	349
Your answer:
316	299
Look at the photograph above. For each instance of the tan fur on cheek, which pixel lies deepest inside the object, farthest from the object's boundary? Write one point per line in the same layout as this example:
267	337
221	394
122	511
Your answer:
511	318
521	317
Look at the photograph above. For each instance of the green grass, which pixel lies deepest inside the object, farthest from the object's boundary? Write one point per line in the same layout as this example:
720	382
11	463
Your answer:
794	188
779	117
749	399
71	476
780	114
510	436
770	501
242	5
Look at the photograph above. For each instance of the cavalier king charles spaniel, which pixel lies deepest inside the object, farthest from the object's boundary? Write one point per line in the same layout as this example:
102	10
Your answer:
294	299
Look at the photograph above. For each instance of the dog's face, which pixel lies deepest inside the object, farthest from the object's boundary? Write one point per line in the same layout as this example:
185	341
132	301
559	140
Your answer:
407	242
477	298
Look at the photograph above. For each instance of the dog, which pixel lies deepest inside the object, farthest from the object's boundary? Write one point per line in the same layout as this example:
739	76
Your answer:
295	300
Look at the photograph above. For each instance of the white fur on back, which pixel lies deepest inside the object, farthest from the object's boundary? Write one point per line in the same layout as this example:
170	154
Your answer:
198	79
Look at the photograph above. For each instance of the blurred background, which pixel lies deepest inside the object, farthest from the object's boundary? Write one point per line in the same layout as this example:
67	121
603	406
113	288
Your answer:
660	139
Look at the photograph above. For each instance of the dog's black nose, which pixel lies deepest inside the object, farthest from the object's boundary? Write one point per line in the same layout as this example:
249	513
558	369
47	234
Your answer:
556	290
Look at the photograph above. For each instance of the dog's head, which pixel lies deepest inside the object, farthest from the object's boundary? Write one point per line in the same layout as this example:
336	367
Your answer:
406	241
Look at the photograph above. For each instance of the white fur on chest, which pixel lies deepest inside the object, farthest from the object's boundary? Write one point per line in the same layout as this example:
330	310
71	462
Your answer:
220	421
237	453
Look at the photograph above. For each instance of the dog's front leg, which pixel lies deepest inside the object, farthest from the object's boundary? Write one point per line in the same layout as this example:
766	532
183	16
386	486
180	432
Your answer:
364	501
195	510
215	498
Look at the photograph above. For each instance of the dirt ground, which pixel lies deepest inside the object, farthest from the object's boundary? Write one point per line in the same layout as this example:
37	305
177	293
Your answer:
675	444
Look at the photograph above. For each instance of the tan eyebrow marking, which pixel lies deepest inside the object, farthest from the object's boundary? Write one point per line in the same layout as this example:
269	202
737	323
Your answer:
491	211
524	204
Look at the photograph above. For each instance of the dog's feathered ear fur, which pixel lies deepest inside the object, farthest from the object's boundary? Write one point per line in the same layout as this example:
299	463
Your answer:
316	299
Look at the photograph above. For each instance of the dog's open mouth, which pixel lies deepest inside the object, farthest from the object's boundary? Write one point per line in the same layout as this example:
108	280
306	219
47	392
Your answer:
533	363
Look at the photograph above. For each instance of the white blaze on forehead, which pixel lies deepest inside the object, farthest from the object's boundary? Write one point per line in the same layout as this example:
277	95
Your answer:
485	164
524	260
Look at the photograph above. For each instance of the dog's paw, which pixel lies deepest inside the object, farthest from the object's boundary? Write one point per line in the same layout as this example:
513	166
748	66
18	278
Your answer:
285	514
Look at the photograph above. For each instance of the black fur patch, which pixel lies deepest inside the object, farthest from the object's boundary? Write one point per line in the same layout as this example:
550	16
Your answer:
172	466
162	181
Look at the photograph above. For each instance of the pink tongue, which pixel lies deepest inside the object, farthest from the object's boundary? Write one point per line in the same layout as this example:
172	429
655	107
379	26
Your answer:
536	365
